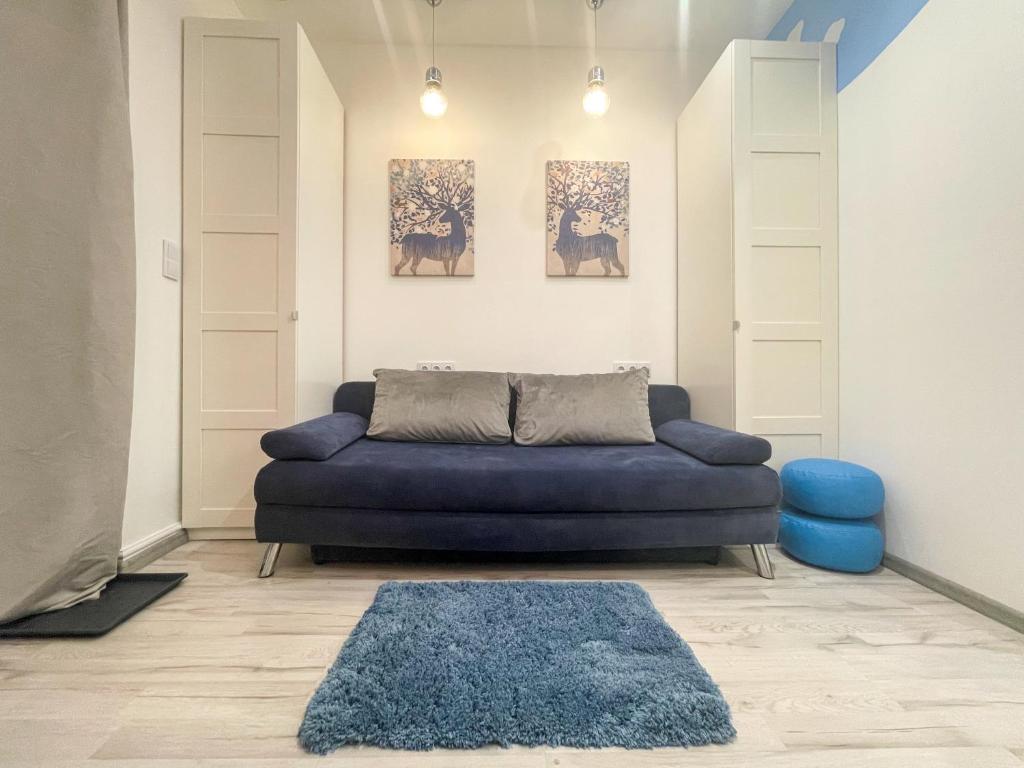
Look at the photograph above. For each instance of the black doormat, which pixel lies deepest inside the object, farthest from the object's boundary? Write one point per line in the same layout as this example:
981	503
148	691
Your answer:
122	598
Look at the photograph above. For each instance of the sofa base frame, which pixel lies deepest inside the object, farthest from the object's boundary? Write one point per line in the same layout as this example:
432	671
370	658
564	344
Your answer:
762	562
470	531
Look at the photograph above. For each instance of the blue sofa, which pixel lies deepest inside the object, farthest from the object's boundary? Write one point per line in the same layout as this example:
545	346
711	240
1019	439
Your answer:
697	485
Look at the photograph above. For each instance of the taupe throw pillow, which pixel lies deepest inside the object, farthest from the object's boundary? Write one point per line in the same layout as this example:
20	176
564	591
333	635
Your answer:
440	407
591	409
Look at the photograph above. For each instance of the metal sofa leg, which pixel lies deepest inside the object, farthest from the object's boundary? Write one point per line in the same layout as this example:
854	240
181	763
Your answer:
762	562
270	559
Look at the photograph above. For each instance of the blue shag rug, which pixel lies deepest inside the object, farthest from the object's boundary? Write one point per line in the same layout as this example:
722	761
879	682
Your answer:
469	663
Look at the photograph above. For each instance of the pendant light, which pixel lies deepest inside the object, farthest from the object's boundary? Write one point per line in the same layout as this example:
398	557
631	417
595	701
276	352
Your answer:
595	99
433	102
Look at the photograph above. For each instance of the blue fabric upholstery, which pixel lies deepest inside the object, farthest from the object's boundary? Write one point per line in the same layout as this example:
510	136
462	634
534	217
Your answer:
316	439
374	474
714	445
832	488
514	498
441	529
840	545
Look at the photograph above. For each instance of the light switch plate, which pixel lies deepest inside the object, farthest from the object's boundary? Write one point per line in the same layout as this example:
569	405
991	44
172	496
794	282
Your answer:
172	260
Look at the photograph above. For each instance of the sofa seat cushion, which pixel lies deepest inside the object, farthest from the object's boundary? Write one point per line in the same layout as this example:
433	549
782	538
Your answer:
373	474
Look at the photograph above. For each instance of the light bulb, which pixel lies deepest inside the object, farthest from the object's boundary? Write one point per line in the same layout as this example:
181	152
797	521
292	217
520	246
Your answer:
596	99
433	102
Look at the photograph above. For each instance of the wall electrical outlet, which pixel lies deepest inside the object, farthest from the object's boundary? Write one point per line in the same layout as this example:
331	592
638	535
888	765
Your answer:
621	366
435	365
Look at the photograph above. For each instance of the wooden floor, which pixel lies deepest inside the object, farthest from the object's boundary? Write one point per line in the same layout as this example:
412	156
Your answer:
821	670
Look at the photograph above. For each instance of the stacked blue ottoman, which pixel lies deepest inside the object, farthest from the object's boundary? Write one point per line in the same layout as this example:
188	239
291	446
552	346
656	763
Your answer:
827	514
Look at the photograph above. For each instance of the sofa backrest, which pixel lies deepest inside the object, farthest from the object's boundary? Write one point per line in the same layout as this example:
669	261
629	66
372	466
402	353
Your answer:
665	401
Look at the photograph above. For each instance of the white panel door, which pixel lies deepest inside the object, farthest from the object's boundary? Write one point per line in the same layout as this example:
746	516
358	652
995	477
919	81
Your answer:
784	144
238	292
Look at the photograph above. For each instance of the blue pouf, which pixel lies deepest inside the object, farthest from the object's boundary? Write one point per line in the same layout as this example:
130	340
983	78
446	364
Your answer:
840	545
825	518
832	488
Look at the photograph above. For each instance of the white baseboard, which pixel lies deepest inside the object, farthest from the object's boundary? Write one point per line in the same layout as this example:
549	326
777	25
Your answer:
149	548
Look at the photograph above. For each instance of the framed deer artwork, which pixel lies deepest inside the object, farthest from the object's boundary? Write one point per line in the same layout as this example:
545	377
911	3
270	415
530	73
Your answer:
432	212
587	218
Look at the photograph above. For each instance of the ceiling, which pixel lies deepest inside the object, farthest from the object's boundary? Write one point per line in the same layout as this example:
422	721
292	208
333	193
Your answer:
630	24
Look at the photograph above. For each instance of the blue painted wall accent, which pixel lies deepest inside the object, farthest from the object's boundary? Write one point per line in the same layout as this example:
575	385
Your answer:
870	26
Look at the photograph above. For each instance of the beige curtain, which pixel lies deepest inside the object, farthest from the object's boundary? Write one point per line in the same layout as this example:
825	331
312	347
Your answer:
67	299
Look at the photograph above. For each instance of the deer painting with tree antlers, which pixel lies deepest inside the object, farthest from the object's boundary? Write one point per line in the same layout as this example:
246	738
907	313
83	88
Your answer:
431	217
587	218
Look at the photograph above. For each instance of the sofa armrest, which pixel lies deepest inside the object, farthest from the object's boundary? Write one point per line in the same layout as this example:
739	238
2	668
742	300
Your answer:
316	439
713	445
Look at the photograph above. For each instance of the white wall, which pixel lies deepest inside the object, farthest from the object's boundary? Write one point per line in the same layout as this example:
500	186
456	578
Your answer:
931	289
153	499
510	110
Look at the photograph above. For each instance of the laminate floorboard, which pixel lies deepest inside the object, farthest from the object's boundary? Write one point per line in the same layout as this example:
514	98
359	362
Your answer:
820	669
